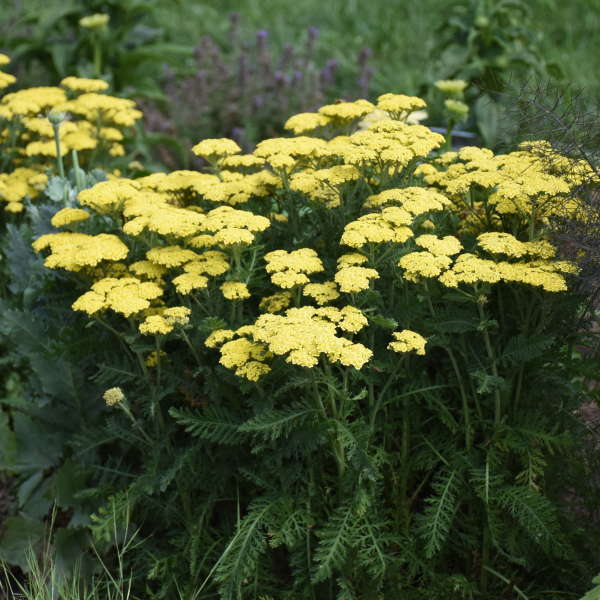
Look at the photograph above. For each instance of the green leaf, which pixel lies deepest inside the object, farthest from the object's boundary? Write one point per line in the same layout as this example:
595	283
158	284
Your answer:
20	534
436	521
335	540
273	424
57	188
488	119
524	348
8	442
215	425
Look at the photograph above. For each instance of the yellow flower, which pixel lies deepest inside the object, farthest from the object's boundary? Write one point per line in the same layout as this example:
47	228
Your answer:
423	264
66	216
177	315
81	84
306	122
73	251
212	148
6	79
218	337
235	290
408	341
353	279
155	325
398	104
289	269
346	112
126	295
276	302
113	396
446	246
187	282
321	292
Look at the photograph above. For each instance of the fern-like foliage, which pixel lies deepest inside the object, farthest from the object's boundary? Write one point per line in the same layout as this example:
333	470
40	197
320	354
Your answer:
240	558
336	537
436	521
276	423
536	516
215	424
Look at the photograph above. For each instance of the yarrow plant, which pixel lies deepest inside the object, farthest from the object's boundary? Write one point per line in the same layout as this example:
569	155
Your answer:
41	125
365	336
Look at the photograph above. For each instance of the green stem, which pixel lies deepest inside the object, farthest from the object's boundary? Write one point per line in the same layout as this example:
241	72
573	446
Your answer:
97	56
404	468
491	355
190	346
78	173
464	397
59	159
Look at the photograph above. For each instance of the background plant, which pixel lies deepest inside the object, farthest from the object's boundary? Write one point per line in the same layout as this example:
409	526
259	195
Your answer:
126	46
486	44
245	89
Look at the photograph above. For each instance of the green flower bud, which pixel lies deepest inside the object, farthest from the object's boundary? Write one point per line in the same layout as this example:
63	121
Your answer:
458	108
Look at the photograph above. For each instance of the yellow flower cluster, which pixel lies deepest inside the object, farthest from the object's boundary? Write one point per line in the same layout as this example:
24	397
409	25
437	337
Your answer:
125	295
289	269
235	290
86	120
6	79
389	225
113	396
322	293
301	336
67	216
75	251
408	341
353	279
179	238
213	148
520	181
22	183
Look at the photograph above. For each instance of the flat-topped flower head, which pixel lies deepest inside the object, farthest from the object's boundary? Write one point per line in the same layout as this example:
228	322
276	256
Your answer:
408	341
346	112
276	302
125	295
417	265
235	290
497	242
353	279
390	225
170	256
215	148
446	246
66	216
82	84
322	293
398	104
306	122
155	325
74	251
